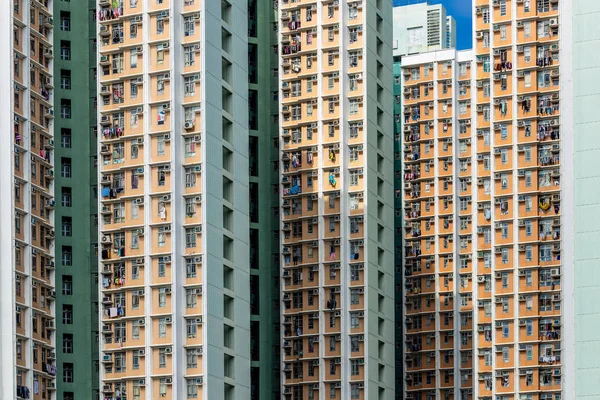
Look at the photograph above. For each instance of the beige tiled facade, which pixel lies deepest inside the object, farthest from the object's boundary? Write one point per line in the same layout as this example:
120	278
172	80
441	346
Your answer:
482	191
32	142
168	154
324	171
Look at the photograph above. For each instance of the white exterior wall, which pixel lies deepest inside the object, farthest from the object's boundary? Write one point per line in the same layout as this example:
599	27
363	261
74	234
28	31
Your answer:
415	16
7	307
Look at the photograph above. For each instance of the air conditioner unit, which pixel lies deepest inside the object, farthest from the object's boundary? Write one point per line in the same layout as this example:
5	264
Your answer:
189	125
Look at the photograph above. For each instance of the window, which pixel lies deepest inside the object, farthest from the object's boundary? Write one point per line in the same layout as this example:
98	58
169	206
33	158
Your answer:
162	297
65	50
353	35
354	177
65	108
190	237
528	203
65	167
354	320
502	8
191	327
486	39
67	226
133	62
67	314
527	78
135	239
65	21
135	330
191	358
65	79
162	267
162	327
189	26
191	298
67	256
160	145
504	255
68	372
545	253
119	212
486	113
486	63
162	359
486	15
543	6
189	85
190	177
162	387
67	343
355	366
192	389
120	362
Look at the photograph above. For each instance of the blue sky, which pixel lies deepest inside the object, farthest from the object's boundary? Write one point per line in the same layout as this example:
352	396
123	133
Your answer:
462	11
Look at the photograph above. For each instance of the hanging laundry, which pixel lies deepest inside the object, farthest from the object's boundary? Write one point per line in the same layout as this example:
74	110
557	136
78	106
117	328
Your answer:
487	214
332	180
162	211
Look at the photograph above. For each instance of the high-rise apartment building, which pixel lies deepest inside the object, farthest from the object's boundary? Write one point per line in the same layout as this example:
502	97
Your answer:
336	187
421	27
263	201
407	21
174	188
27	206
450	32
76	212
483	196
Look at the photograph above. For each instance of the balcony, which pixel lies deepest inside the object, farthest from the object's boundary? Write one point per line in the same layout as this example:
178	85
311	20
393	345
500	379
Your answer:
109	12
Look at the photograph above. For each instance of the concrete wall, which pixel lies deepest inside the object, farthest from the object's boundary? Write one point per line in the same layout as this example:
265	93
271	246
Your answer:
580	46
82	183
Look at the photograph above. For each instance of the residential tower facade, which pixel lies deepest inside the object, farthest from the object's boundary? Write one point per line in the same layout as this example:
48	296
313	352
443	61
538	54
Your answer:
77	300
173	183
483	210
336	207
27	205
